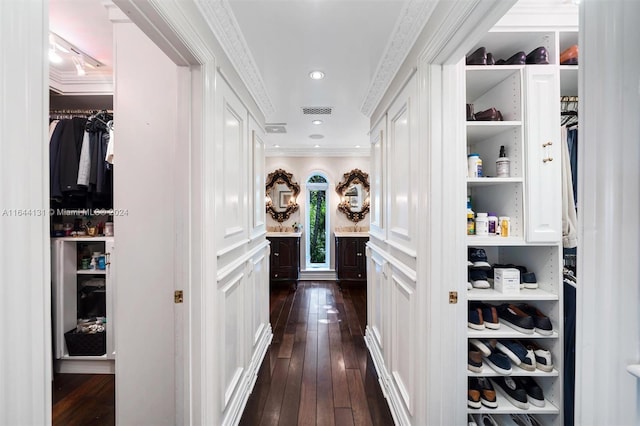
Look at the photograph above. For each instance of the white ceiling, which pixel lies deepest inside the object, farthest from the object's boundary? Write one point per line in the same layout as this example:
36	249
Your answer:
286	39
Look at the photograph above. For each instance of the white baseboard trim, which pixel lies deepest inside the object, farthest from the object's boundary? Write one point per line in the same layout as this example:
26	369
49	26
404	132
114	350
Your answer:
311	275
396	406
85	366
238	402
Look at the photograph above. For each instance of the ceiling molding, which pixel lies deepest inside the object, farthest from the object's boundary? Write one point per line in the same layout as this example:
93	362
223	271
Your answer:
224	25
412	19
317	152
93	83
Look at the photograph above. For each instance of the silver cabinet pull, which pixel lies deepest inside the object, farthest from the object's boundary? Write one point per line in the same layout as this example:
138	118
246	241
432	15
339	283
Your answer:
544	145
276	254
547	159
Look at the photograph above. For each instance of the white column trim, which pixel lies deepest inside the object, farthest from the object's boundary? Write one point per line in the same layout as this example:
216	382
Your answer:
608	292
25	261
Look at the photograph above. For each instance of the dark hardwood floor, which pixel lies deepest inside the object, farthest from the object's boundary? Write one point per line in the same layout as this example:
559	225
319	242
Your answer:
84	400
317	370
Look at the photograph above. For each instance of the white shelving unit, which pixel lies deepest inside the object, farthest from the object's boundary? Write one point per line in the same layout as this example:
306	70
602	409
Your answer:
68	278
510	90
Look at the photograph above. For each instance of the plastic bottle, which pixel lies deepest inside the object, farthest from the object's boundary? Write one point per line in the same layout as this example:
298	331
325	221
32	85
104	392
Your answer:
493	224
505	226
471	225
503	164
482	224
474	166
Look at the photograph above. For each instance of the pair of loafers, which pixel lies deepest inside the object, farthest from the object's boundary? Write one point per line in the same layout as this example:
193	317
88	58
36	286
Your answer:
538	56
569	56
490	114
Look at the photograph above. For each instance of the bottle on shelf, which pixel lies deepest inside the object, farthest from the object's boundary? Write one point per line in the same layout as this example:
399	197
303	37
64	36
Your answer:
482	224
503	164
492	220
505	226
474	165
471	224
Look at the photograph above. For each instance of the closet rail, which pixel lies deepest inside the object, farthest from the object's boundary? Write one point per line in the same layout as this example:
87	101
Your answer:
59	114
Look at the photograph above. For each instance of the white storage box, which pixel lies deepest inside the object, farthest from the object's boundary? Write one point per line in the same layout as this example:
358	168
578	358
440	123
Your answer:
506	280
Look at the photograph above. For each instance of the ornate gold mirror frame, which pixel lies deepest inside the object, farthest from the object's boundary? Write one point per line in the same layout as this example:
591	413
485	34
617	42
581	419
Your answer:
281	204
354	181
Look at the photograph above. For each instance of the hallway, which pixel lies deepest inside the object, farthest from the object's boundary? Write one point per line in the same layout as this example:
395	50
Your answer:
317	369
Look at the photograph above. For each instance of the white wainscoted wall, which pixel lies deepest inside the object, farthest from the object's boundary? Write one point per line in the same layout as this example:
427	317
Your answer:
191	150
334	167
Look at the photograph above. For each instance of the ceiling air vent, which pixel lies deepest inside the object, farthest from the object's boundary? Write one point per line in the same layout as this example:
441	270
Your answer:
317	110
275	127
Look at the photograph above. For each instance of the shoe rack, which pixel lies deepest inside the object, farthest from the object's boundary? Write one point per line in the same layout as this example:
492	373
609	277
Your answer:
513	90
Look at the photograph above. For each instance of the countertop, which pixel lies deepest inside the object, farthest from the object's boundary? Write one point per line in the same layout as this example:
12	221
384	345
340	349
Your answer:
351	234
284	234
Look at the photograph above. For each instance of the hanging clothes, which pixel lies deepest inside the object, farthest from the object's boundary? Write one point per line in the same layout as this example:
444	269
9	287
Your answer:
569	217
572	141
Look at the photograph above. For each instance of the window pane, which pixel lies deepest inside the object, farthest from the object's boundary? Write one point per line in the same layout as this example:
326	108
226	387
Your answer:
317	217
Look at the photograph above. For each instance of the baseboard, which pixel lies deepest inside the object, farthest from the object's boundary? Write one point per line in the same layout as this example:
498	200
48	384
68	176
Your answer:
85	366
238	401
311	275
396	406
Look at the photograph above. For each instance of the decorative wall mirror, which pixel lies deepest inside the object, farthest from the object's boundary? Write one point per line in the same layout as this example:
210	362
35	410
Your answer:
281	195
354	195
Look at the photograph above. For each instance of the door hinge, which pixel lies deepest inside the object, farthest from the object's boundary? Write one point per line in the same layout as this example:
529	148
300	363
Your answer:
177	296
453	297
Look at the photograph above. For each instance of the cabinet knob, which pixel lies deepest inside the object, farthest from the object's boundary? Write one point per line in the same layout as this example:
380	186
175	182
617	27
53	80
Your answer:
544	145
275	275
359	275
276	254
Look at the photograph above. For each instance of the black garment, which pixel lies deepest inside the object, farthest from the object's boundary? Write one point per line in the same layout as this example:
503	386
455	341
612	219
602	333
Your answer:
69	157
569	353
54	161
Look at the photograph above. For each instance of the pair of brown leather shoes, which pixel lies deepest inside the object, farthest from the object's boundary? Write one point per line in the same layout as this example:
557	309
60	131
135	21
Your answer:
539	55
569	56
480	57
490	114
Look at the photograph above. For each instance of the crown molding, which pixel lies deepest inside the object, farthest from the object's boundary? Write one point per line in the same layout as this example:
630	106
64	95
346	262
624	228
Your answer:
317	152
69	83
411	21
224	25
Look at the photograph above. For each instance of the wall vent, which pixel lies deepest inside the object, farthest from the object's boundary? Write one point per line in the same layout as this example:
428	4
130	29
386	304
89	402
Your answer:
275	127
317	110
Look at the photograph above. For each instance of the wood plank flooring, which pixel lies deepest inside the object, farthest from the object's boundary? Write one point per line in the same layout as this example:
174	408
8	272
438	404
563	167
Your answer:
84	399
317	370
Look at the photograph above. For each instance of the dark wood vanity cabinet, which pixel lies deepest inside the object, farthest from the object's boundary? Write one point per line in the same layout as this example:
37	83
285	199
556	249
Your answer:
285	259
351	262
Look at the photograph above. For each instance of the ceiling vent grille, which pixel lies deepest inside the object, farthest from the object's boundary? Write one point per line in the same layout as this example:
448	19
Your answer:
317	110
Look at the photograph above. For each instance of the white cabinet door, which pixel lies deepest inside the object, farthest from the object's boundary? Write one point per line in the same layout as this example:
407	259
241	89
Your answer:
542	129
110	298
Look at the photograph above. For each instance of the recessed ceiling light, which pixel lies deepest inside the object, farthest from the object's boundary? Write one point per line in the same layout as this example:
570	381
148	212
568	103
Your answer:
316	136
276	146
317	122
316	75
316	146
357	146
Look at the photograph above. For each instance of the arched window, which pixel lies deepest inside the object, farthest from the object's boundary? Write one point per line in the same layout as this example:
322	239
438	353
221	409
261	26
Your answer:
317	235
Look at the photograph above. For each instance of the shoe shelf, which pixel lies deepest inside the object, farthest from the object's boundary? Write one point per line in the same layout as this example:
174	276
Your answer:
517	371
478	131
91	272
489	294
506	407
503	87
505	332
484	181
476	241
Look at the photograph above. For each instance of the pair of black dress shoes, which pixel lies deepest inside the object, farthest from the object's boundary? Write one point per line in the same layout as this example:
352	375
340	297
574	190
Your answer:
539	55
